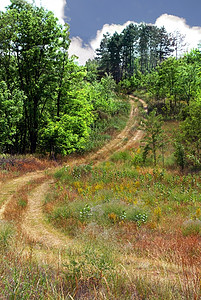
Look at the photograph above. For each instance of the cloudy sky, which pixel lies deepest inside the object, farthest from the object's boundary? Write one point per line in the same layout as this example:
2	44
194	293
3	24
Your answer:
90	19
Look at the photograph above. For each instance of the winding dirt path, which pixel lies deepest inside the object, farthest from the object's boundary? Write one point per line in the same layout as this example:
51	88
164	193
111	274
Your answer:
126	139
33	225
7	190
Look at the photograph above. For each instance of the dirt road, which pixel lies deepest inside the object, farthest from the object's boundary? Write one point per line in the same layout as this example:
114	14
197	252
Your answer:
33	225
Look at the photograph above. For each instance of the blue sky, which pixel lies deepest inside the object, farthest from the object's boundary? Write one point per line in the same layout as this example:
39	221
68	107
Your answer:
88	16
90	19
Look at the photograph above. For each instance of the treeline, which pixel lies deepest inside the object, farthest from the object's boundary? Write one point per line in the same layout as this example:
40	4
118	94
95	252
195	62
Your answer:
143	59
175	83
47	102
50	104
137	48
174	90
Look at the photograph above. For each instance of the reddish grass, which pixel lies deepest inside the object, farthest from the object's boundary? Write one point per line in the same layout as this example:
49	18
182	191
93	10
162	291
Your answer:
14	166
18	203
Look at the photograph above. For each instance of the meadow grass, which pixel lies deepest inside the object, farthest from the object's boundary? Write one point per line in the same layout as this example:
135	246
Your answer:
135	233
149	219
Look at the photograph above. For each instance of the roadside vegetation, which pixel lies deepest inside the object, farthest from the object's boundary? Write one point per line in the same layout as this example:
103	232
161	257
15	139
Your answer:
131	229
129	214
147	218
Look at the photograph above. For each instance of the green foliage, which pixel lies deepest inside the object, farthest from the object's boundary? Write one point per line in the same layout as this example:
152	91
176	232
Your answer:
189	139
129	85
192	133
85	213
180	154
189	81
138	48
121	156
141	219
33	47
10	115
102	96
69	133
92	72
152	125
174	84
47	102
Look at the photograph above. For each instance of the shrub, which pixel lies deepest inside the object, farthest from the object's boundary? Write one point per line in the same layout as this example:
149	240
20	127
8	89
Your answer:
121	156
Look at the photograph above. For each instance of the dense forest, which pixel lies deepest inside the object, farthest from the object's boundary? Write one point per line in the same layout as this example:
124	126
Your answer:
144	60
138	48
46	101
49	104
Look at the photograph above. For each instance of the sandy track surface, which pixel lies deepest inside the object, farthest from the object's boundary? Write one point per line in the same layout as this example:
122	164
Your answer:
8	189
33	225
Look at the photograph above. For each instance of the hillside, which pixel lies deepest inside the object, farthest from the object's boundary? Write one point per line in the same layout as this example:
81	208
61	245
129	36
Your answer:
100	186
104	226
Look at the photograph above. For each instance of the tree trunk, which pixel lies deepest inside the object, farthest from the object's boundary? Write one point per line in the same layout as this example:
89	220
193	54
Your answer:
33	141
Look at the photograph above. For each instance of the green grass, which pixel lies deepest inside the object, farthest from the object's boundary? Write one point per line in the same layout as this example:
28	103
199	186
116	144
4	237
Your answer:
134	233
140	213
103	130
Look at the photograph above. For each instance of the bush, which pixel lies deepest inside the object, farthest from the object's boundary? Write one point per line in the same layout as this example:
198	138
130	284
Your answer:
120	156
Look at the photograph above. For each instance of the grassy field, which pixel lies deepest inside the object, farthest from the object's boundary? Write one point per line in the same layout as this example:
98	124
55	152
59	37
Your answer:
139	228
133	231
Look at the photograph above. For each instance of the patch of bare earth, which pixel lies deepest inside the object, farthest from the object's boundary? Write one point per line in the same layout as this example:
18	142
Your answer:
9	188
34	226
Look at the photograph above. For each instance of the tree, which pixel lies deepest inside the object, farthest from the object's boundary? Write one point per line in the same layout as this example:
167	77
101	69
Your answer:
189	76
33	50
143	46
114	48
130	36
138	48
154	46
189	81
191	133
103	56
92	70
165	45
69	132
168	77
152	126
178	42
10	114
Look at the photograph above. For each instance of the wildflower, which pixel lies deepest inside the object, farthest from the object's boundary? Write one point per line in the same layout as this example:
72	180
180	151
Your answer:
113	217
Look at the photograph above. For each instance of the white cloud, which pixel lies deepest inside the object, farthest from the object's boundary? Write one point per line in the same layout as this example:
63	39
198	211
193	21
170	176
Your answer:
3	4
95	43
57	8
87	51
82	51
170	22
174	23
